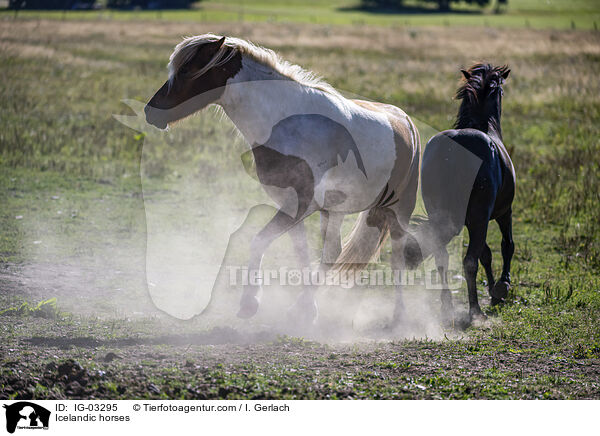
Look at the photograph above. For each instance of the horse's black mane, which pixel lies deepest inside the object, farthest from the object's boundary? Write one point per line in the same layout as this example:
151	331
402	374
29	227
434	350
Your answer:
474	92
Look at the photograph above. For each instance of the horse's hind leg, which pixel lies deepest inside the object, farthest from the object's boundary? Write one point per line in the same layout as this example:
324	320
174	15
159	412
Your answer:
477	233
397	218
500	289
398	223
486	261
398	265
441	262
278	225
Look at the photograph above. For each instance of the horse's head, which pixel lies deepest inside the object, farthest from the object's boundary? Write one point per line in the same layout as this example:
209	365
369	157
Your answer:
198	72
481	95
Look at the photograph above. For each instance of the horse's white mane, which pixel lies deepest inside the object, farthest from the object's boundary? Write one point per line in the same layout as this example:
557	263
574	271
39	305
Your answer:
186	49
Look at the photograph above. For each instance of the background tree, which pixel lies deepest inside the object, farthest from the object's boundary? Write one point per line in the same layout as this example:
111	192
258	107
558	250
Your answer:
89	4
149	4
443	5
51	4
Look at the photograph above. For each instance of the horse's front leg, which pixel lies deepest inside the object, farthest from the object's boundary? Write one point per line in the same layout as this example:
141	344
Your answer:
305	309
278	225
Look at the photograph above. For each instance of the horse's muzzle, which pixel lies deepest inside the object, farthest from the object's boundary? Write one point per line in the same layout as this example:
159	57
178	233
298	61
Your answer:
156	117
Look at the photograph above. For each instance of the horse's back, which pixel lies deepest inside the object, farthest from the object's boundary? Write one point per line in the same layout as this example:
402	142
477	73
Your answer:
463	174
495	181
403	180
475	141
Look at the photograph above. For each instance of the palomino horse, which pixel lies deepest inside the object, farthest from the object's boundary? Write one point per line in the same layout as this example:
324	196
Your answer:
314	151
447	158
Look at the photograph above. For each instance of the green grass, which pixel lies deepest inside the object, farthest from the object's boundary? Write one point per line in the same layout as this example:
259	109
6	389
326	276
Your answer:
555	14
44	309
62	151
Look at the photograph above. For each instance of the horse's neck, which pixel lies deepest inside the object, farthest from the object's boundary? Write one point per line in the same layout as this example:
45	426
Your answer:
258	97
494	129
489	124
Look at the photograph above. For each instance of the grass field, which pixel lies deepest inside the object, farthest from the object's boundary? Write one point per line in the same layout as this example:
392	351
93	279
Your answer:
73	223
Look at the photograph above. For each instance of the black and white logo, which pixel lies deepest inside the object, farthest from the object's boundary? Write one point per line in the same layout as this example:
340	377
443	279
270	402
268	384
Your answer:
26	415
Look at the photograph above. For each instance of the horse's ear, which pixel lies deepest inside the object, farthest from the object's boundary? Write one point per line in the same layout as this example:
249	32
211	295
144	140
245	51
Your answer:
218	44
505	74
466	74
210	48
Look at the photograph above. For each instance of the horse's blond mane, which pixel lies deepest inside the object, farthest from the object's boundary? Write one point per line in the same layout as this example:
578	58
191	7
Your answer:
186	49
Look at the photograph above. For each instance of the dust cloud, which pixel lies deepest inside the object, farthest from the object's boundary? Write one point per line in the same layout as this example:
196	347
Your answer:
176	251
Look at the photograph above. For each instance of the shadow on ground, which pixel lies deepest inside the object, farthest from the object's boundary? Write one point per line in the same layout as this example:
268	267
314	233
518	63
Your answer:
216	336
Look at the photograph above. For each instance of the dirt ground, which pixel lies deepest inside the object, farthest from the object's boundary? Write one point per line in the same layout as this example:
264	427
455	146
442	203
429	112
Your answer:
51	355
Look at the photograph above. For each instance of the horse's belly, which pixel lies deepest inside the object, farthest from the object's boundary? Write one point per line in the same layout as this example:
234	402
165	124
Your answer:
347	189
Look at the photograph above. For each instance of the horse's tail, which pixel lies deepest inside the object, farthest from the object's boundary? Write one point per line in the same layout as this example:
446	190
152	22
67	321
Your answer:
369	233
426	236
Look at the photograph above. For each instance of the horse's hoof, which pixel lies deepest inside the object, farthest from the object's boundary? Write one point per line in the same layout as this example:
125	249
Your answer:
496	301
500	290
248	308
477	316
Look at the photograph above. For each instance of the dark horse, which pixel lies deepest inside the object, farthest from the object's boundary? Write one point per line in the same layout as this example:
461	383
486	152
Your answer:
467	178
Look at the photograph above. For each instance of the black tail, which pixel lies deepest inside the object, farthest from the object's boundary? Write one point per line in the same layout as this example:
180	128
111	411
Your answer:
426	237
